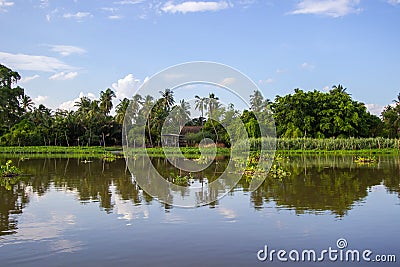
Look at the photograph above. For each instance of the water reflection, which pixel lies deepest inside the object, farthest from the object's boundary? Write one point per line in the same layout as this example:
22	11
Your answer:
327	183
318	184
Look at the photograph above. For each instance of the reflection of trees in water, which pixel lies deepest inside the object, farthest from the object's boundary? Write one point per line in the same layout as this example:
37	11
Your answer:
154	179
326	184
317	184
11	203
91	180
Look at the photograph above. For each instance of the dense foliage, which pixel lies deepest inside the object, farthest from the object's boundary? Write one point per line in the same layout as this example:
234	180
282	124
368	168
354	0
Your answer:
311	114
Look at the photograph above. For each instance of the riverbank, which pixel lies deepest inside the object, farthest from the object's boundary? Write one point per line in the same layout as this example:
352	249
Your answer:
189	152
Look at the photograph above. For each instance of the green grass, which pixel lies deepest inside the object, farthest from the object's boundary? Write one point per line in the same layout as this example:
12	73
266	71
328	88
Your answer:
341	152
58	149
25	152
331	145
188	152
351	146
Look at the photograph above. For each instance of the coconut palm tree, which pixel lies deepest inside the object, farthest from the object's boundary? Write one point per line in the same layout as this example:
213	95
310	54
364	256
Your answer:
120	110
212	104
182	112
200	103
167	98
106	100
340	89
146	111
27	104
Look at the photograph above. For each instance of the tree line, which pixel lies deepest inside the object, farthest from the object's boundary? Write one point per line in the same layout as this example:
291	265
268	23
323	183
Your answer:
313	114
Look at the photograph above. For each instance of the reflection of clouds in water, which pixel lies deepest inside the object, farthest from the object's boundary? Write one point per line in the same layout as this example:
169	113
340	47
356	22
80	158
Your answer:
378	188
50	230
228	214
47	226
127	211
67	246
38	229
173	218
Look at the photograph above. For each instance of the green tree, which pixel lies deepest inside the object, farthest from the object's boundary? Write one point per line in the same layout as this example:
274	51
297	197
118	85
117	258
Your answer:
256	101
391	119
10	97
200	103
106	100
121	109
27	104
167	99
181	112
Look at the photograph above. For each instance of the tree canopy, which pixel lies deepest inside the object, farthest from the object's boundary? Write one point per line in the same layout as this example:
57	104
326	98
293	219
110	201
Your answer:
314	114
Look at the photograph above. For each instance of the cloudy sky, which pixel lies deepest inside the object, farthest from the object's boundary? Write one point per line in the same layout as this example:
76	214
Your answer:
70	48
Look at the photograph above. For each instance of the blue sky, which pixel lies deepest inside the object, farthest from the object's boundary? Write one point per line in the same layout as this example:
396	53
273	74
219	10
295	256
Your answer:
64	49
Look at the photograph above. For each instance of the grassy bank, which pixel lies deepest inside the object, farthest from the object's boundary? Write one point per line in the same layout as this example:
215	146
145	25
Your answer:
58	151
285	146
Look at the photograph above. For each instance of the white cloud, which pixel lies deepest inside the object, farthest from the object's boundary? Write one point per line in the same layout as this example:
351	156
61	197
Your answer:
193	6
40	99
66	50
228	81
267	81
29	78
109	9
374	109
62	76
31	62
173	76
4	4
50	15
246	3
44	3
326	88
115	17
70	105
394	2
129	2
78	15
279	71
331	8
126	87
307	66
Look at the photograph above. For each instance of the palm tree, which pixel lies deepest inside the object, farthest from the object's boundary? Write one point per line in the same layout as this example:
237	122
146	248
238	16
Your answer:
167	98
397	101
27	104
212	104
106	100
182	112
83	104
146	110
120	110
200	105
339	88
136	103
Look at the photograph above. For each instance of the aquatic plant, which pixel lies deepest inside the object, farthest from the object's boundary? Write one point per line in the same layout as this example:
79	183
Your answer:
9	170
277	172
364	159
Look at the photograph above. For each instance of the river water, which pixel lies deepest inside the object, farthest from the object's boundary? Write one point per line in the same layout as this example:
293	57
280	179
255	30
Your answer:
78	212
